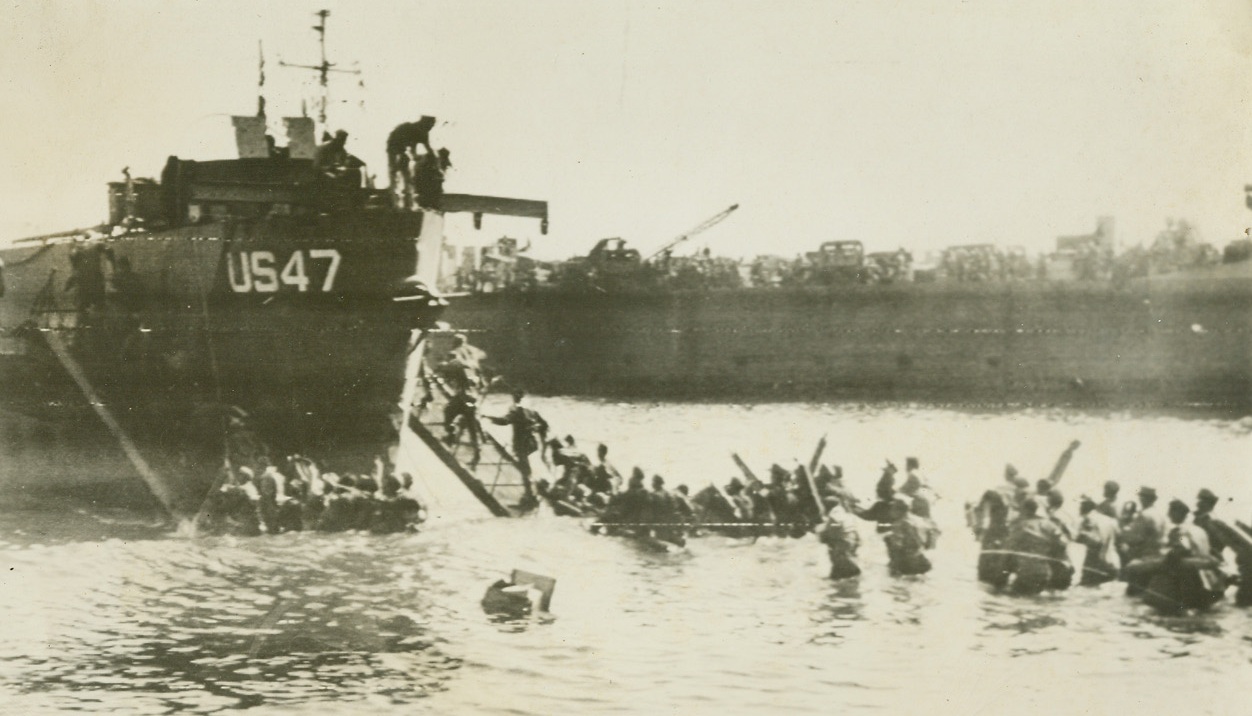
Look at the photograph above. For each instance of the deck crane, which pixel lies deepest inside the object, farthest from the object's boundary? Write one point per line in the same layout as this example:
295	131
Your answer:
611	260
701	228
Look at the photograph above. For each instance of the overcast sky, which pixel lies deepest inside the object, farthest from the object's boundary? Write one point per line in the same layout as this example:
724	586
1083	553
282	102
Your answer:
919	124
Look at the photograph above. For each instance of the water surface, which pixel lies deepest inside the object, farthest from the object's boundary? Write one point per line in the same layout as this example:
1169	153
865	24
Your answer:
105	612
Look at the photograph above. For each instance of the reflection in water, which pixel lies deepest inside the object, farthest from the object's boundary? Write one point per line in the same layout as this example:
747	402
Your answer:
105	614
242	627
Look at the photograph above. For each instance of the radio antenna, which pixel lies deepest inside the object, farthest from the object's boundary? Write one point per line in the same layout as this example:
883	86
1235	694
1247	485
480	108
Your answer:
324	68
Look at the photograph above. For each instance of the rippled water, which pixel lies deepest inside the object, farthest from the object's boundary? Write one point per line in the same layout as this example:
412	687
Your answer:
105	613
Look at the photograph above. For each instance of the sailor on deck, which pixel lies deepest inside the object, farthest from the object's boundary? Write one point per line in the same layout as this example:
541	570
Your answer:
402	146
331	155
428	174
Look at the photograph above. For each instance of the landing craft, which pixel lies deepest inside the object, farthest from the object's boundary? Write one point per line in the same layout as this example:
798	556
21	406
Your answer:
233	310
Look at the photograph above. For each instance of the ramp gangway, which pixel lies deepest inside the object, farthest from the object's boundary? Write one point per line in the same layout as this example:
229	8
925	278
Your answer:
486	467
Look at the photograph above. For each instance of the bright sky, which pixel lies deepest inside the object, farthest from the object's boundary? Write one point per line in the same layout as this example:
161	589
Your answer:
917	124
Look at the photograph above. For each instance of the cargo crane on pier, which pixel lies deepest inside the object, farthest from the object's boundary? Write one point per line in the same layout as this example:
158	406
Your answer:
668	249
611	259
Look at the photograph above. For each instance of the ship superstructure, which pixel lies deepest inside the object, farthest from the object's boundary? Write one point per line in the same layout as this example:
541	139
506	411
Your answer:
234	310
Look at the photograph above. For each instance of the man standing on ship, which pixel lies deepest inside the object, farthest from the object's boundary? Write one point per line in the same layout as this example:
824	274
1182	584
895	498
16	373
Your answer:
330	157
428	175
402	146
530	431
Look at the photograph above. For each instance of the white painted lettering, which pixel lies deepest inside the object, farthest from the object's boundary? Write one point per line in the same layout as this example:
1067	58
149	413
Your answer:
239	285
333	255
264	277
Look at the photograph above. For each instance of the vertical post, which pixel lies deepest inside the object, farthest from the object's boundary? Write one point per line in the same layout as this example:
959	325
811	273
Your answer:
324	66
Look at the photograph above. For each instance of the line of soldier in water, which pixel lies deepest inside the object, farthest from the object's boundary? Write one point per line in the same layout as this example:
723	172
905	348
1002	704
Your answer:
784	505
297	495
1024	531
1164	559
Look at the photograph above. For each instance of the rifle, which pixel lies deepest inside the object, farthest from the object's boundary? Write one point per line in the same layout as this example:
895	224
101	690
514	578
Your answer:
747	471
808	478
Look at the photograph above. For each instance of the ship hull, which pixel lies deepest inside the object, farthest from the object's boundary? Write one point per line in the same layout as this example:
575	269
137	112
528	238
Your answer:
69	463
1170	345
210	347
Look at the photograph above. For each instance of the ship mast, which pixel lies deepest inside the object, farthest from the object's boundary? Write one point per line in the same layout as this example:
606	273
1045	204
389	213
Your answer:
323	68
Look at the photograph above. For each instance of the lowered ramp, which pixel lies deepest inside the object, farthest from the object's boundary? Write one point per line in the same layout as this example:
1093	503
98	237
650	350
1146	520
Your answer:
457	477
436	482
